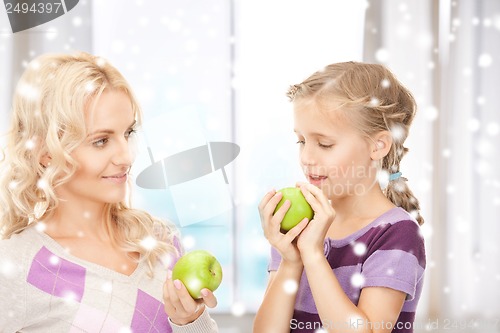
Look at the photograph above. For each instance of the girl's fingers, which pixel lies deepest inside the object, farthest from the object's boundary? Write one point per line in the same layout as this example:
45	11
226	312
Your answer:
295	231
314	196
266	199
271	221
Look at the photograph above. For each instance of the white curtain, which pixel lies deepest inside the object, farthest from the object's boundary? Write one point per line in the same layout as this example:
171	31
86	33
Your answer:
447	52
472	194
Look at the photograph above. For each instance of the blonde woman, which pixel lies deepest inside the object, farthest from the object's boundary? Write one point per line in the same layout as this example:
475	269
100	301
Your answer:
358	265
75	257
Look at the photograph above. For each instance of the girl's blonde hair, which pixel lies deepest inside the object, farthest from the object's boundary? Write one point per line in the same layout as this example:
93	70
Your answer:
48	120
374	100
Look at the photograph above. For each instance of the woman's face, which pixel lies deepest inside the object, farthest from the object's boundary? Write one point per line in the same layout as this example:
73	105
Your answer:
105	157
334	156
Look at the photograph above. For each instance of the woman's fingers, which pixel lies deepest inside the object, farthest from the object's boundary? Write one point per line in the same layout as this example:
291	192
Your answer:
209	298
188	304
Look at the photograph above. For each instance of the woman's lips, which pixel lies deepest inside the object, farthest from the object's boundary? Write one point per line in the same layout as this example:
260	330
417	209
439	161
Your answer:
121	178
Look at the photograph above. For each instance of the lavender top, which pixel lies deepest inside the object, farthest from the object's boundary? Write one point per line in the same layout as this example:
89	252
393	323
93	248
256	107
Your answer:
44	288
388	252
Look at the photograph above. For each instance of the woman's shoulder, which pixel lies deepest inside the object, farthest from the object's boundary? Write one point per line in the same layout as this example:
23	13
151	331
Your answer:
20	247
18	252
18	243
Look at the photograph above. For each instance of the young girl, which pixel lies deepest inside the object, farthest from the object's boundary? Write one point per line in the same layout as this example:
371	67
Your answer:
74	256
358	265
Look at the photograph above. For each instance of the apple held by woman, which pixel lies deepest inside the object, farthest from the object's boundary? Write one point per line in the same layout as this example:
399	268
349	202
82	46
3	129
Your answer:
197	270
299	208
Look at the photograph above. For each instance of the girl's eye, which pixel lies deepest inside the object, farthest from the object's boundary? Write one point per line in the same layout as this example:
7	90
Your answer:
324	146
100	143
301	142
130	132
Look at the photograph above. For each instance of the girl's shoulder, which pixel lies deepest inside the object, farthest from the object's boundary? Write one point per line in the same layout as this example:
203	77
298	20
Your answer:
395	220
397	231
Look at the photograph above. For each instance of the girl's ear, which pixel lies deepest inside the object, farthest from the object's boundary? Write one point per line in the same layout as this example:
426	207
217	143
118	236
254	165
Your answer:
381	145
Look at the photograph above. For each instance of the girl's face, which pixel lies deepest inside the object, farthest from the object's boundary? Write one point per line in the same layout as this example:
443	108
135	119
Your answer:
105	156
333	154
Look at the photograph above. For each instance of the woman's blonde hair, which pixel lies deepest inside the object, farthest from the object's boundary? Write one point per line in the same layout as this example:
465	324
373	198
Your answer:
374	100
48	120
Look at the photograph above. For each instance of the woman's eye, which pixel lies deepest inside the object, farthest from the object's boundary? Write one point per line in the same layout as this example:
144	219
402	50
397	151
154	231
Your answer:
100	142
301	142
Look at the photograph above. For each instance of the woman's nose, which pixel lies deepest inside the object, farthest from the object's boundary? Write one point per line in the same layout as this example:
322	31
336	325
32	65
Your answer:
124	155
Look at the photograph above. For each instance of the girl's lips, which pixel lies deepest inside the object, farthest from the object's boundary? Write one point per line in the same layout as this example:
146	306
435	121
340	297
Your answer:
315	180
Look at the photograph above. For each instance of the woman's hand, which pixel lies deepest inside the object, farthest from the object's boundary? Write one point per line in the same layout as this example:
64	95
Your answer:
312	239
181	308
284	243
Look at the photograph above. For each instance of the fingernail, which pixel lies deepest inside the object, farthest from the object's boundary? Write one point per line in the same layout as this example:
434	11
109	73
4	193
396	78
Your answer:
177	284
204	292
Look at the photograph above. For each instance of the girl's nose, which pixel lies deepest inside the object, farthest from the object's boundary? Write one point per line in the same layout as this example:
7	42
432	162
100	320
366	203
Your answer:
307	155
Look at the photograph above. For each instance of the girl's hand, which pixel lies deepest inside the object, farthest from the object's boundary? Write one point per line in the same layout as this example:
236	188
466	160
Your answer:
284	243
181	308
312	239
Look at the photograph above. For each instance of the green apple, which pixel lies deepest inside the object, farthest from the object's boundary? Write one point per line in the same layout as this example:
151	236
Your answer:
197	270
299	208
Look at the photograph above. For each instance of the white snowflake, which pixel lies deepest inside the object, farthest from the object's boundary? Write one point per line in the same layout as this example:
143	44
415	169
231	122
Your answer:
13	185
290	286
77	21
382	55
492	129
30	144
383	178
51	33
40	226
189	242
238	309
107	287
54	260
357	280
374	102
28	91
359	248
8	269
70	297
149	243
485	60
473	125
398	133
431	113
42	184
